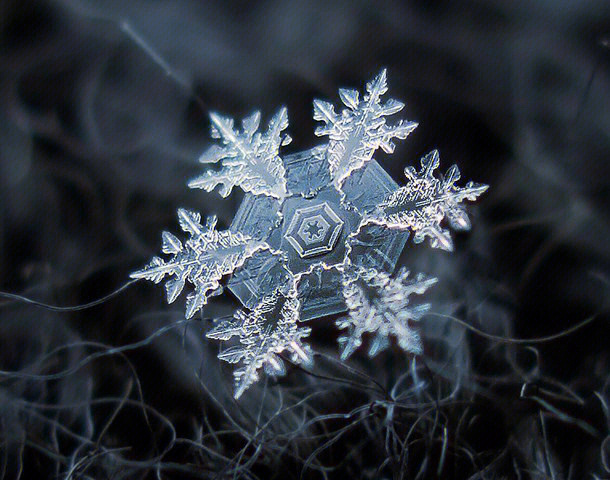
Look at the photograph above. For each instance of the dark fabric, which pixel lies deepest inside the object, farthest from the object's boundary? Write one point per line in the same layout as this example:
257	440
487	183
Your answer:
103	113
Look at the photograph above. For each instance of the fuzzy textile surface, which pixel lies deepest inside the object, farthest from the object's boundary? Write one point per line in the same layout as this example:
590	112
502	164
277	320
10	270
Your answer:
104	110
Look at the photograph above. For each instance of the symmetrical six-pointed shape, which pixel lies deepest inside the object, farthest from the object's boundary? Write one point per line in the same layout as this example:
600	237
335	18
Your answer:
319	232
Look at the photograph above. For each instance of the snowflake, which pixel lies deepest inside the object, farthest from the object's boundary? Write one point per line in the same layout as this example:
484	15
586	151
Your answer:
318	232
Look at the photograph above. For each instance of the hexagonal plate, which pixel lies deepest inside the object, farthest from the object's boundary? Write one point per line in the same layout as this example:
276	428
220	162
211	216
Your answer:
314	230
310	188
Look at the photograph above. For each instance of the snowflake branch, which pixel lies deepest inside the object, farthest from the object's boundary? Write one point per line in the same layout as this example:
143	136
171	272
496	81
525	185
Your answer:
360	129
268	330
203	260
425	201
249	159
380	304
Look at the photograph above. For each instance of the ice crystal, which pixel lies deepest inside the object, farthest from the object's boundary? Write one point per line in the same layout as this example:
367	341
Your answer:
203	260
250	159
268	330
359	129
333	224
426	201
380	305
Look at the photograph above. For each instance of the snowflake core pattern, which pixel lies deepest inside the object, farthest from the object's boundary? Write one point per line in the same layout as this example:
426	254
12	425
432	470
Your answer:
319	232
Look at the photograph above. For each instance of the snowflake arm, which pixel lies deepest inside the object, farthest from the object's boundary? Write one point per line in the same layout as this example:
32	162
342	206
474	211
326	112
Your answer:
250	159
379	304
202	260
359	129
425	201
266	331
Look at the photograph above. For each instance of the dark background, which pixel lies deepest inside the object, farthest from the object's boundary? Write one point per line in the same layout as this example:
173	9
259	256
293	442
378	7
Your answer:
103	113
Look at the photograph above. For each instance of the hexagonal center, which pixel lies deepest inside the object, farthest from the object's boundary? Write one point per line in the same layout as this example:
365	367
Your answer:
314	230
